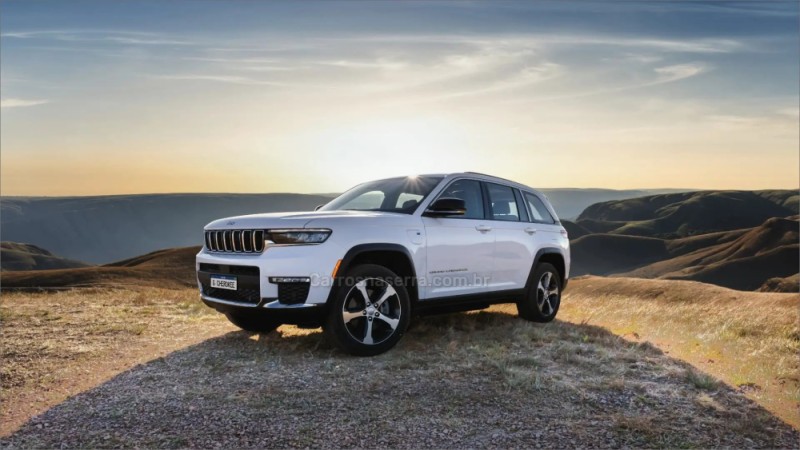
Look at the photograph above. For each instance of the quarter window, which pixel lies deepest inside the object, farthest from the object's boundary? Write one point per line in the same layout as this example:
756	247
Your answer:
523	211
470	192
504	205
539	212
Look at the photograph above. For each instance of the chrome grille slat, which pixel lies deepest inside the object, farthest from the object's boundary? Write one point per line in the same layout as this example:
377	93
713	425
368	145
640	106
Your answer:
207	238
235	241
259	240
236	236
247	241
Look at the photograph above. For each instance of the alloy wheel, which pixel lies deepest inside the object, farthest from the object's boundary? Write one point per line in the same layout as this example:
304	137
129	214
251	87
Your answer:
371	311
547	294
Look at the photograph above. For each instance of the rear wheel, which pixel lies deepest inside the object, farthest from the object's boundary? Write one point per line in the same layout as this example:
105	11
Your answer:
254	324
543	296
370	312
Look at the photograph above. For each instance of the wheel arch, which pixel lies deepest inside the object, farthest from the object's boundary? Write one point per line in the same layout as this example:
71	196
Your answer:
553	256
394	257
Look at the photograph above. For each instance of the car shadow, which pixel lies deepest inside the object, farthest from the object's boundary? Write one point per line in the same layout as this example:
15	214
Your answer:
460	380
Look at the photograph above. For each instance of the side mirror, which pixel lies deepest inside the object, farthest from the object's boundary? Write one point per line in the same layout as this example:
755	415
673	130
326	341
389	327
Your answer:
446	207
319	206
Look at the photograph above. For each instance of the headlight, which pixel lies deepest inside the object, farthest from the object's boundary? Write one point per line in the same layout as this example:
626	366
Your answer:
290	237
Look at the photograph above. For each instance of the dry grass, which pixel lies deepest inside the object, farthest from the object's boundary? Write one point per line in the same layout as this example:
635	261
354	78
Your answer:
55	345
158	369
748	340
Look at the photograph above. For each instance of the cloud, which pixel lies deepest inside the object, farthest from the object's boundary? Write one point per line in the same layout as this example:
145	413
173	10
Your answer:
230	79
118	37
697	45
668	74
19	102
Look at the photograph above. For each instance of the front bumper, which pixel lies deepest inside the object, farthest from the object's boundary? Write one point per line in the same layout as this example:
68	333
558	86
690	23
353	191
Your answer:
302	314
257	295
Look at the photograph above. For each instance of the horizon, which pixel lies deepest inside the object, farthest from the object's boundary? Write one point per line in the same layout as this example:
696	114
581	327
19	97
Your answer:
325	194
143	98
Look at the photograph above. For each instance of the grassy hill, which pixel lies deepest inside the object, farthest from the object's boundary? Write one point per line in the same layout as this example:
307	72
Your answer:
690	213
602	254
104	229
737	239
170	268
18	256
744	259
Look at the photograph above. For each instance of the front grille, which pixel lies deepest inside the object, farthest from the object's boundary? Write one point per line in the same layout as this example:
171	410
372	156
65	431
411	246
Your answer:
293	293
235	241
250	296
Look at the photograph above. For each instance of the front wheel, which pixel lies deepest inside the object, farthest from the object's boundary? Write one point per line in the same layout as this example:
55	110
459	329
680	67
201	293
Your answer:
370	312
252	323
543	296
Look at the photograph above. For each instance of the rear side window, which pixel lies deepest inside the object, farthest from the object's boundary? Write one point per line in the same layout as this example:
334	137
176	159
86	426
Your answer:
504	204
523	211
470	192
539	212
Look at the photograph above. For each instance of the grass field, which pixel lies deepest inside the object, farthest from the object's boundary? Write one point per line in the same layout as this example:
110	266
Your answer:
156	368
749	340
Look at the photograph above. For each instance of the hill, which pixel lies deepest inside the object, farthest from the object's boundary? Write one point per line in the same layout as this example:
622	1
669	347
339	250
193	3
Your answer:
171	268
603	254
570	202
689	213
740	259
103	229
18	256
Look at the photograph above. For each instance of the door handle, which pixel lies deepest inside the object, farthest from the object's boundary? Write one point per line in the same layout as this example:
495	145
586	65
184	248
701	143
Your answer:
530	230
483	228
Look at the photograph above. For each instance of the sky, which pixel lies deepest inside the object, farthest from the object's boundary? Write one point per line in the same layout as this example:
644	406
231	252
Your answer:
129	97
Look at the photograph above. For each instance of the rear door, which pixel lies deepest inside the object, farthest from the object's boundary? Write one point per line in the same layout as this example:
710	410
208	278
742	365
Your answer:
515	238
548	231
459	248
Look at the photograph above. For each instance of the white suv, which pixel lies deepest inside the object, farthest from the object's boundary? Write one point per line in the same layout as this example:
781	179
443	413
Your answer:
362	264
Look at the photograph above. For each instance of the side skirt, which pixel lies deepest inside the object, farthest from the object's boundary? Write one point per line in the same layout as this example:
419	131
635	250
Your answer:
468	302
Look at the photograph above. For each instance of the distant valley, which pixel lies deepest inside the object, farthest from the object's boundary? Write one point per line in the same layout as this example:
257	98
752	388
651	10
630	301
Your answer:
103	229
738	239
746	240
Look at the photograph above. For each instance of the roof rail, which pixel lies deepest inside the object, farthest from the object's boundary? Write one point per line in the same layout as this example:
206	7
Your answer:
487	175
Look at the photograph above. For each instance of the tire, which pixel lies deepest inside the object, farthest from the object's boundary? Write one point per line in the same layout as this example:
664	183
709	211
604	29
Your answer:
252	323
542	296
355	324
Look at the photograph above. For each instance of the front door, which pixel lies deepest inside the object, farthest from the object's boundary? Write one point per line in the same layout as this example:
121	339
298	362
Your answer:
459	249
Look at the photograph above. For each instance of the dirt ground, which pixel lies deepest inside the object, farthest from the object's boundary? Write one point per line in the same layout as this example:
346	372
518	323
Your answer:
109	368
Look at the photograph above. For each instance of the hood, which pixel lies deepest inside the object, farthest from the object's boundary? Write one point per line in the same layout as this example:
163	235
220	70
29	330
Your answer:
292	219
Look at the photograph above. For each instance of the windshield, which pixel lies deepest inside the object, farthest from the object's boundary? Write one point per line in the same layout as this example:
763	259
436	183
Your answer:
400	195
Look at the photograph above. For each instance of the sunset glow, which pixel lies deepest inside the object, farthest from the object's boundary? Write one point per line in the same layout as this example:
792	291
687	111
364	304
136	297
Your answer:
316	97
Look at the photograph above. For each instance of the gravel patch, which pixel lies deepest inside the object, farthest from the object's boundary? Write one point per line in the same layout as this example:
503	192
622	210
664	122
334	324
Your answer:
484	379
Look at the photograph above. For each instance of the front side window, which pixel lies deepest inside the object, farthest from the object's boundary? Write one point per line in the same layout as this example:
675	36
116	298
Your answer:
399	195
539	212
470	192
504	204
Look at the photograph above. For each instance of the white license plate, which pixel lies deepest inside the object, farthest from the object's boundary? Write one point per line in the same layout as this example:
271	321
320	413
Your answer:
223	282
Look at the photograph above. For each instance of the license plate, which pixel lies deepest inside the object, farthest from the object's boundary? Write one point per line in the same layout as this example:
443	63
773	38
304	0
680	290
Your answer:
223	282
